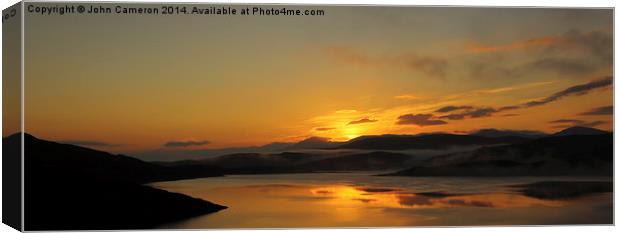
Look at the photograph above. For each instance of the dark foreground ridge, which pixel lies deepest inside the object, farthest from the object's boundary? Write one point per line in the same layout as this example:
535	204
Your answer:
74	188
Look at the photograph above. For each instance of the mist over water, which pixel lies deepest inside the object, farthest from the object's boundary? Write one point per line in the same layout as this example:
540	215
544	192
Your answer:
363	200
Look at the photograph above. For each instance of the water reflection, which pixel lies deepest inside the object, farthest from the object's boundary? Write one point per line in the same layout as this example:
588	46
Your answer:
305	203
397	198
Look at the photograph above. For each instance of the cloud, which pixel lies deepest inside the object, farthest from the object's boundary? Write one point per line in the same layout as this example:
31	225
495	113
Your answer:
347	55
513	87
88	143
593	123
597	43
473	112
573	91
407	97
522	44
506	108
174	144
362	121
324	129
565	66
573	53
605	110
468	111
565	123
419	120
346	111
572	121
431	66
451	108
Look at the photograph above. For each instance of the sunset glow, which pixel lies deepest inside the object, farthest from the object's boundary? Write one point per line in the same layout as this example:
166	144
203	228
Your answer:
205	84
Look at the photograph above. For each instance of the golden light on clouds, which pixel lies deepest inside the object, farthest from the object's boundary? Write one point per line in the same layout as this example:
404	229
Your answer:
234	82
543	41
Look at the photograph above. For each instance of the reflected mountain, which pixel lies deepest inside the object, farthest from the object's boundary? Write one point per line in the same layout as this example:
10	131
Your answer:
557	190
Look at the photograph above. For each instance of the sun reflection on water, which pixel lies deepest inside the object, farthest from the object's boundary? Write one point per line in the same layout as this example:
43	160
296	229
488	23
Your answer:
396	198
263	203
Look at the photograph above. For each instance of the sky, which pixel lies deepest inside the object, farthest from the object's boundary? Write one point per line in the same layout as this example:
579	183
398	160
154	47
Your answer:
135	83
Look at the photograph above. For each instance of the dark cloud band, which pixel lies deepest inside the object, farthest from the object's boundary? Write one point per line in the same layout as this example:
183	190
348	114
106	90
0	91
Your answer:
173	144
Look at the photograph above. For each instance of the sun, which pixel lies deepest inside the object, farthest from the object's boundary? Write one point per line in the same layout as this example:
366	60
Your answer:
351	132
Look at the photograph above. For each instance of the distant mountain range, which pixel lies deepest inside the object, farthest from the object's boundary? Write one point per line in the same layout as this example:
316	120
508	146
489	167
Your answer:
292	162
274	147
390	142
496	133
383	153
575	151
70	187
427	141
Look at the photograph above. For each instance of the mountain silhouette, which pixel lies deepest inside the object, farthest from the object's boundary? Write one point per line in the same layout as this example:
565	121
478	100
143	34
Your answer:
313	143
580	130
295	162
572	155
69	187
427	141
495	133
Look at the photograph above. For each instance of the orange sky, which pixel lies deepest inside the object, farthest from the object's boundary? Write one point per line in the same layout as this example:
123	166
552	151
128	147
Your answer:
135	83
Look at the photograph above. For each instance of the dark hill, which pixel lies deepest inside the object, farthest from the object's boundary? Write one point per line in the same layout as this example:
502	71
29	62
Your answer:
429	141
576	155
509	133
293	162
74	188
579	130
80	160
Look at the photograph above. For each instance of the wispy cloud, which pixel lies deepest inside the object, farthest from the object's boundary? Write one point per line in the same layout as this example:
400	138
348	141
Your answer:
174	144
522	44
593	123
573	91
346	111
362	121
431	66
419	120
573	53
564	66
471	113
451	108
324	128
513	87
605	110
563	123
461	112
407	97
347	55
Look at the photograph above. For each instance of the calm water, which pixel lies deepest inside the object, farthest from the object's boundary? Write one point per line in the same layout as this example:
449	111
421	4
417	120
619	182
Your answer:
363	200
